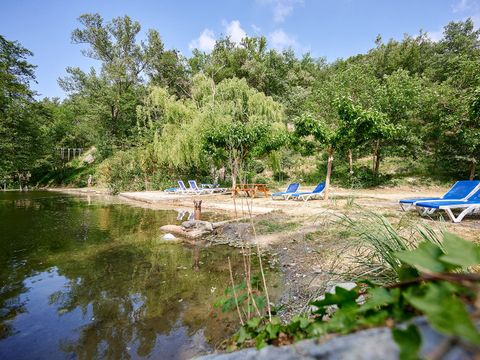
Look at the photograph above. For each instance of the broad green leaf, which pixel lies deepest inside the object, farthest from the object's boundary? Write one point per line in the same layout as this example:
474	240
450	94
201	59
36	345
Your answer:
426	256
304	322
273	330
445	312
373	318
378	296
459	251
275	320
341	298
260	340
406	272
242	335
409	342
343	320
254	322
316	329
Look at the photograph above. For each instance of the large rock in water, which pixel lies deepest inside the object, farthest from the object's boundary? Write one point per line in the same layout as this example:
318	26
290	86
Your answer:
198	225
371	344
193	229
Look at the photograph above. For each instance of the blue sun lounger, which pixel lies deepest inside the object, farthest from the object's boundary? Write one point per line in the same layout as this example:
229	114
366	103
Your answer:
468	206
461	190
305	196
285	195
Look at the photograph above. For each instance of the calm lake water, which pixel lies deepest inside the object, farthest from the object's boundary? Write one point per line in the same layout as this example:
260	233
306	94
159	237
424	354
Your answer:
87	278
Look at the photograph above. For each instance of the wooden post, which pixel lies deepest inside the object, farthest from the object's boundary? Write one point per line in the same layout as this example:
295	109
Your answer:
197	209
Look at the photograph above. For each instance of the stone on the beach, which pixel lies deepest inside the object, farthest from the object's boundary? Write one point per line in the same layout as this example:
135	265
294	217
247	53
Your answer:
168	237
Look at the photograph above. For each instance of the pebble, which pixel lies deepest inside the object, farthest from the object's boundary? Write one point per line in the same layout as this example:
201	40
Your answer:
168	237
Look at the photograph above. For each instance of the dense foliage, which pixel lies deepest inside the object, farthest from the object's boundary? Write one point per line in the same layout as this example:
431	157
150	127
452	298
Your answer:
431	281
150	115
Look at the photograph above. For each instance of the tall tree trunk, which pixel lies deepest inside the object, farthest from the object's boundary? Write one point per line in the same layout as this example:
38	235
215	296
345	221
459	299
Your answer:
329	172
350	161
376	157
473	166
234	172
222	173
377	162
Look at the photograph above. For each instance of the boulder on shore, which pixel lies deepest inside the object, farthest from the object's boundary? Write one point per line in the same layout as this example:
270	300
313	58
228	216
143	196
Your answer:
198	225
193	229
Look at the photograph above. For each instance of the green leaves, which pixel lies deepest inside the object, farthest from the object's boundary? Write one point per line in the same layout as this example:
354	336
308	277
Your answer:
445	312
378	297
460	252
341	297
409	341
442	302
426	256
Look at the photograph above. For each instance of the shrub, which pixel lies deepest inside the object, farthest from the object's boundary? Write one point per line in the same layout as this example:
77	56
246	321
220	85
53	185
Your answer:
122	172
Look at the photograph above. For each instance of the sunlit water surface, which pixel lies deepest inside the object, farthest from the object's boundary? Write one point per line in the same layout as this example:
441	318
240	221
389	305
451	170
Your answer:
85	278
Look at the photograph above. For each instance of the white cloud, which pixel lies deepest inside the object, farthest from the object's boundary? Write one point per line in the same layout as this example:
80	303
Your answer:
461	6
256	28
438	35
234	30
435	36
205	42
281	8
281	40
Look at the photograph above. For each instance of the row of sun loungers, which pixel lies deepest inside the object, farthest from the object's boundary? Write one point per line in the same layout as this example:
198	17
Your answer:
463	198
292	193
194	189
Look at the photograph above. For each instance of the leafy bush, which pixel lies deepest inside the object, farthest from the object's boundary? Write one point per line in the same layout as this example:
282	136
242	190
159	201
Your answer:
431	282
123	172
362	177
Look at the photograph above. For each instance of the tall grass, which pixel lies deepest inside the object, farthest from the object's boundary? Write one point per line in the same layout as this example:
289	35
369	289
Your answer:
377	240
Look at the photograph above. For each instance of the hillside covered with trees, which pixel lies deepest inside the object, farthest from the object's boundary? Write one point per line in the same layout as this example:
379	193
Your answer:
149	115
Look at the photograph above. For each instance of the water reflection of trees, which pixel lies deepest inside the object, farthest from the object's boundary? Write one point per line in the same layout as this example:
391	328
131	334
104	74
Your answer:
133	293
39	230
126	283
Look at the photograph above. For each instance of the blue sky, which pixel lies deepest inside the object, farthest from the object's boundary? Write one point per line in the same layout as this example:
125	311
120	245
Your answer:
330	28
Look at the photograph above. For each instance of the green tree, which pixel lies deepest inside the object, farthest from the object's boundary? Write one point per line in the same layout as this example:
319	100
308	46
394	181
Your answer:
20	142
242	122
112	94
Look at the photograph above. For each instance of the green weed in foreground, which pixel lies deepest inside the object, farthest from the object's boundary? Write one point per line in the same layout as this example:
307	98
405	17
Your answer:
431	281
